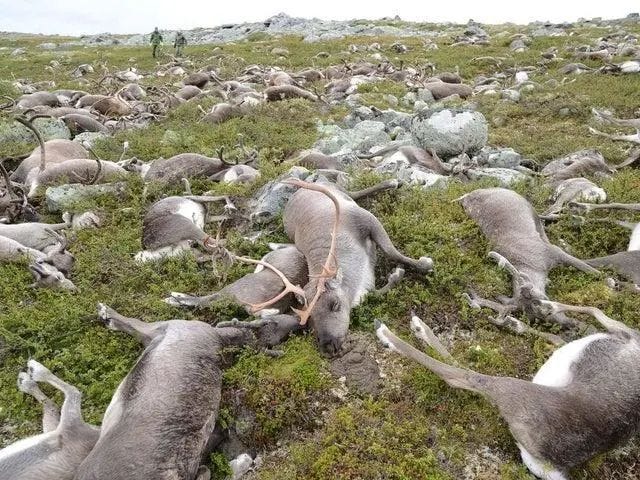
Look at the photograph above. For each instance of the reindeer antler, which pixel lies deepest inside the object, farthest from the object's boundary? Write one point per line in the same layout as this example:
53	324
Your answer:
328	271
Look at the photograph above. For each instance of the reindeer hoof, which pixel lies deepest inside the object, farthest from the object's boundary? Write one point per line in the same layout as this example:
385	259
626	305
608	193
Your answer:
37	372
425	264
178	299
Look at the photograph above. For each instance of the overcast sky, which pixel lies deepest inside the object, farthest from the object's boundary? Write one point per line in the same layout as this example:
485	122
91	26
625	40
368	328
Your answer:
75	17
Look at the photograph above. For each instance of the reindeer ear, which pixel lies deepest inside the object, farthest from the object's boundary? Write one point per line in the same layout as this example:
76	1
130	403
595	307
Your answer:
336	281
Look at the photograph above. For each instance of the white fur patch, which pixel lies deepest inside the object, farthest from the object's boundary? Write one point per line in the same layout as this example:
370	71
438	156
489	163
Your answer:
193	211
164	252
556	372
114	411
634	242
382	332
367	280
540	469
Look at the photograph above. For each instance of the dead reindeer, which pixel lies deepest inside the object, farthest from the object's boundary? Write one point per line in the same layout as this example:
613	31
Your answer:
584	401
173	169
162	415
610	119
199	79
173	224
603	55
79	170
37	99
314	160
79	123
415	156
578	164
440	89
66	439
574	190
514	229
188	92
40	236
254	289
50	152
220	113
337	239
114	106
14	204
287	92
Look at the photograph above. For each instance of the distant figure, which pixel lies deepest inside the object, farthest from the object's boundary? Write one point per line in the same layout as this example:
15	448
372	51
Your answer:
155	40
179	43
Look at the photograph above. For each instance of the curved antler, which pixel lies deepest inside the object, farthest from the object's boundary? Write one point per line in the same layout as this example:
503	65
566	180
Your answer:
328	271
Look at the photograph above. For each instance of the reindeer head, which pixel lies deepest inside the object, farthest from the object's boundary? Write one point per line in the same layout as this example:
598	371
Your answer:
330	314
48	276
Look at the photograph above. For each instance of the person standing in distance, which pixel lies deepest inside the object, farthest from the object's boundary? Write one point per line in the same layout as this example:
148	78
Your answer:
155	40
179	43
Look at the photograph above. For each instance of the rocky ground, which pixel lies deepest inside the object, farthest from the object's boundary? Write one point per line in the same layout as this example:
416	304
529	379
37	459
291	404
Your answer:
516	97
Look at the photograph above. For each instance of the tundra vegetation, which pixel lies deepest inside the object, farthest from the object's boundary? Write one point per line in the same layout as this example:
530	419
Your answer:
294	410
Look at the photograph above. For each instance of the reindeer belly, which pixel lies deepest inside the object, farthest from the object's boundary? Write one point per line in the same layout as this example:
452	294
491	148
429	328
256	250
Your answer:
193	211
366	280
556	372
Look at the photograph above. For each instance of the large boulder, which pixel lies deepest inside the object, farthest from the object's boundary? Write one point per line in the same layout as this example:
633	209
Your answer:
450	131
49	128
273	196
360	138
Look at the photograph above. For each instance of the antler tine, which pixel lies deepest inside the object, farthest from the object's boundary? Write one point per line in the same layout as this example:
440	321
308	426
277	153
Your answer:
328	271
27	123
289	287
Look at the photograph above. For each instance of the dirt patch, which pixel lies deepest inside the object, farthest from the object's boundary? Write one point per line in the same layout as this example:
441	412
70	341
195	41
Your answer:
357	364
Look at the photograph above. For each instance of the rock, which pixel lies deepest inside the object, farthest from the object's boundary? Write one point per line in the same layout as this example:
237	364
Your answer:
89	138
398	166
498	158
64	197
450	131
280	52
360	138
425	95
419	106
18	52
50	128
48	46
510	94
273	196
505	176
392	100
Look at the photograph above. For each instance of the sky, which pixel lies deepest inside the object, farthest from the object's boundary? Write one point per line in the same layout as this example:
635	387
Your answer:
77	17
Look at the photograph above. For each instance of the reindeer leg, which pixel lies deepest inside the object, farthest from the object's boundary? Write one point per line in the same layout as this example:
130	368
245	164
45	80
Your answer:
587	207
51	413
380	187
422	331
394	279
604	320
70	412
143	331
622	138
178	299
381	238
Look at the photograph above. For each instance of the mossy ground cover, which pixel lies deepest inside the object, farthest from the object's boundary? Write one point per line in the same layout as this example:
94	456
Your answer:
416	427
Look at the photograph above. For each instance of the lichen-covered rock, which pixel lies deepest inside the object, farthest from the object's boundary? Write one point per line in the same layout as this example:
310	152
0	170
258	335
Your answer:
273	196
360	138
49	128
505	176
498	158
64	197
450	131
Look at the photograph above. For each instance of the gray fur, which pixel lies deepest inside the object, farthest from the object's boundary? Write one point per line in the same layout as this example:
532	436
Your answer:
308	219
163	413
564	426
57	151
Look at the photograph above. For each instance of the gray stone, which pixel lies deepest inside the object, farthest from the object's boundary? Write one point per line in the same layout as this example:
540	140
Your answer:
49	128
273	196
510	94
498	158
18	51
505	176
48	46
425	95
450	131
360	138
63	197
89	138
398	166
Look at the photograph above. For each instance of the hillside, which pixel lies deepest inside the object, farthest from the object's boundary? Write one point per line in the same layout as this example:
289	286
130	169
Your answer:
367	414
